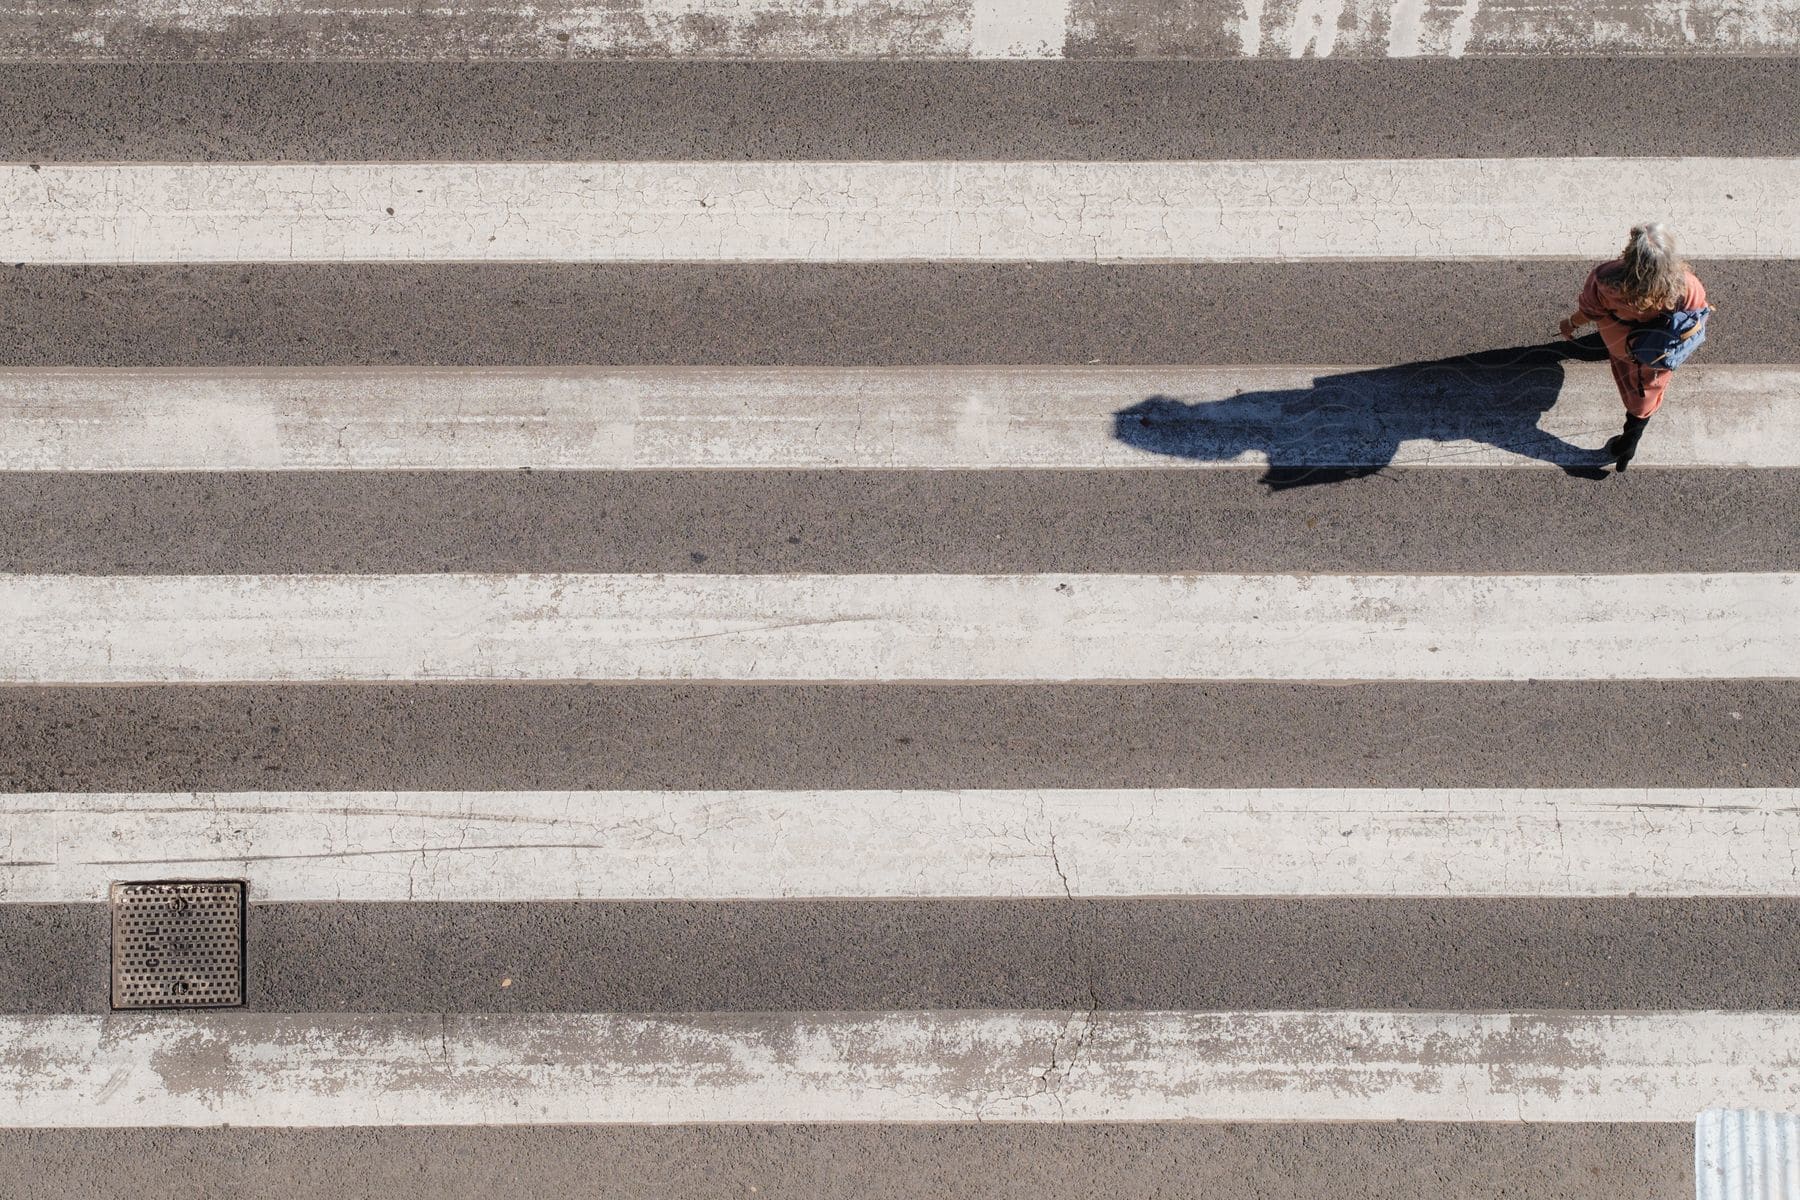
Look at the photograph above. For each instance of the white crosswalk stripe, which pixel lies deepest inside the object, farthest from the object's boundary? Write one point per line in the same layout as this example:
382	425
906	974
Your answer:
547	879
915	419
350	1069
957	29
884	212
309	847
193	629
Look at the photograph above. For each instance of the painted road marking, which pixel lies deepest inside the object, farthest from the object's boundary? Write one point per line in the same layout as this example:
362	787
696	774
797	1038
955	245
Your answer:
345	1069
139	30
67	848
890	211
1453	28
545	30
1539	413
256	628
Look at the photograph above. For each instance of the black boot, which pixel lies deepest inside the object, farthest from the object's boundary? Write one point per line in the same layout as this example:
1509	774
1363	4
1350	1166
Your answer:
1623	446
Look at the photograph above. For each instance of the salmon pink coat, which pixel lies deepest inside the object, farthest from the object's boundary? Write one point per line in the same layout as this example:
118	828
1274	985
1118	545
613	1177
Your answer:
1640	387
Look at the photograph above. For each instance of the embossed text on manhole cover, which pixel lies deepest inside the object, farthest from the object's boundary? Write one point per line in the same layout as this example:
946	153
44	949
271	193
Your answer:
178	945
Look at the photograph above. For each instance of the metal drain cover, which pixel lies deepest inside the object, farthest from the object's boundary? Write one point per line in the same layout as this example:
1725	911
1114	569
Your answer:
178	945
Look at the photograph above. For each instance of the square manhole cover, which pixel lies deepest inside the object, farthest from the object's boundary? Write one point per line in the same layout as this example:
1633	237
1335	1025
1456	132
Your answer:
178	945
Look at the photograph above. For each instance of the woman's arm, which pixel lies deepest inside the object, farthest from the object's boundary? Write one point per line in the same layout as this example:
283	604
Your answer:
1571	323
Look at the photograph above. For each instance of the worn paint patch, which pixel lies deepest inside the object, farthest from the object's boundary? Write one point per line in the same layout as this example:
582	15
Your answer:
1018	28
1314	28
139	30
337	30
1432	28
407	1069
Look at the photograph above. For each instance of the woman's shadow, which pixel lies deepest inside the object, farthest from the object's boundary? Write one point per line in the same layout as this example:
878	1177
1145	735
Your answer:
1351	425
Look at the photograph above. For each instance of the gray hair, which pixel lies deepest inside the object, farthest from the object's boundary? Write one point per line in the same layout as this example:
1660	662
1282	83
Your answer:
1653	275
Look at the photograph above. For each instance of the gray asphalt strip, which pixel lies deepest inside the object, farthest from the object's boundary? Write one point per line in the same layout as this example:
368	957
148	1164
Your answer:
649	736
610	111
755	956
1401	520
825	1162
832	314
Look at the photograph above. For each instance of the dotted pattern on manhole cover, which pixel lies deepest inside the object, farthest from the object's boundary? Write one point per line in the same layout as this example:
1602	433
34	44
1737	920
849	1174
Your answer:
178	945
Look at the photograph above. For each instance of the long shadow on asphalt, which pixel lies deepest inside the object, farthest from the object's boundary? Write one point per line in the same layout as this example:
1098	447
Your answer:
1353	424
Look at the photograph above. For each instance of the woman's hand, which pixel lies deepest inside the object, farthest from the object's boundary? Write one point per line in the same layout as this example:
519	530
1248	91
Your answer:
1571	324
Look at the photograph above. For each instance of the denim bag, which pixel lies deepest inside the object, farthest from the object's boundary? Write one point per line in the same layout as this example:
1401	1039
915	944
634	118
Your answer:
1668	340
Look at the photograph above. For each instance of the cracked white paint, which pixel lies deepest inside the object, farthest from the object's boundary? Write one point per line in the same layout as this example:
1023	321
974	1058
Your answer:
895	211
63	848
1453	28
348	1069
923	418
219	628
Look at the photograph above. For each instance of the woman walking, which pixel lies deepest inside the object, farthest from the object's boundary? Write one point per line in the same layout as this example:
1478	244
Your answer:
1647	282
